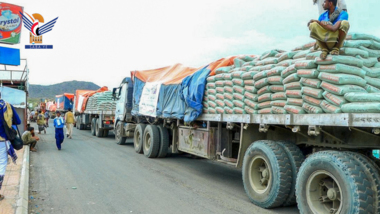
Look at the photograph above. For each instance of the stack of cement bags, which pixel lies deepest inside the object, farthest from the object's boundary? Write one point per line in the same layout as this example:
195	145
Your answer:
299	82
101	102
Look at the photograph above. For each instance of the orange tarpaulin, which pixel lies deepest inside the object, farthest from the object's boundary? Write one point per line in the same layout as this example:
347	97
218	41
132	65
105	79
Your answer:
220	63
89	94
167	75
78	95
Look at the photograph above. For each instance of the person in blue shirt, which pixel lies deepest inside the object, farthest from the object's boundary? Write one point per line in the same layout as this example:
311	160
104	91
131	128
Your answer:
59	124
330	29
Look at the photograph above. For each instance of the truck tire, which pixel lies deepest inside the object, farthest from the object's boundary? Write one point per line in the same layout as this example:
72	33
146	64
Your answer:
105	133
267	174
98	130
119	139
93	125
333	182
138	138
164	141
372	172
151	141
296	158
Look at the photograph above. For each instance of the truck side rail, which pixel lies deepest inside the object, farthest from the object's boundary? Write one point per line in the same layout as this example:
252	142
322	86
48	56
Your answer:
100	112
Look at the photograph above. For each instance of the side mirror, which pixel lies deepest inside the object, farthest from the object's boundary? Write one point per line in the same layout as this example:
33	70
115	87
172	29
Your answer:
114	93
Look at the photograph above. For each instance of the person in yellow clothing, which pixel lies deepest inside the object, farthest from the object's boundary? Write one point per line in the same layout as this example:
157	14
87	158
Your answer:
70	120
41	122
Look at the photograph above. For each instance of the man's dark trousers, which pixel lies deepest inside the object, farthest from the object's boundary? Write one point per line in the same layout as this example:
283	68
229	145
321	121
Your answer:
59	137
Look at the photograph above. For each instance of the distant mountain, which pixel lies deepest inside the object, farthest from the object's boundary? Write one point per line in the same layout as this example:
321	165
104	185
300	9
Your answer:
49	91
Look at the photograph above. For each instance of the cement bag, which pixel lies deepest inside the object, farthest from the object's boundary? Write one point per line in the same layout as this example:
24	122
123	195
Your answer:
251	104
211	91
308	45
287	55
334	99
229	103
206	92
354	52
341	68
238	89
362	97
219	77
263	90
267	61
238	62
211	111
237	74
238	82
265	111
253	97
261	83
219	90
375	45
307	64
205	111
308	73
228	83
265	97
265	105
301	54
312	100
261	75
373	81
238	96
211	97
228	96
357	43
286	63
228	110
294	102
313	55
249	63
278	110
277	88
249	82
294	109
267	67
279	96
246	68
334	59
292	86
371	89
210	85
267	54
377	65
371	53
275	80
250	110
250	89
247	58
211	79
227	76
220	103
249	75
238	110
361	108
329	108
238	103
212	104
256	68
342	79
293	93
312	83
219	83
312	109
219	96
291	78
278	103
288	71
220	110
223	70
341	89
205	105
372	72
276	71
361	36
368	62
228	89
205	98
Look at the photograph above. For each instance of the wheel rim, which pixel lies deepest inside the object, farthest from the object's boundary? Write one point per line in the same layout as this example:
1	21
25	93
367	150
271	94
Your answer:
137	139
118	132
323	193
260	174
147	141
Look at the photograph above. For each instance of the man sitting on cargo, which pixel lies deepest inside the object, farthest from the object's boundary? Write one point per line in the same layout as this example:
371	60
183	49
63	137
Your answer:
330	29
28	138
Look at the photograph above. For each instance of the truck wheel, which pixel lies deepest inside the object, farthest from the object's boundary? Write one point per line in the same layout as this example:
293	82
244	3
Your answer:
105	133
93	125
372	172
98	131
119	139
296	158
333	182
164	141
151	141
267	174
138	138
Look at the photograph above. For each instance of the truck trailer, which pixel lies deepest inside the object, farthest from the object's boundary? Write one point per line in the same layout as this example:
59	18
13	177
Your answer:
64	102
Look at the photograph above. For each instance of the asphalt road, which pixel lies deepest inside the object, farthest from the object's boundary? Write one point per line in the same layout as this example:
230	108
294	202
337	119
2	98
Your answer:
95	175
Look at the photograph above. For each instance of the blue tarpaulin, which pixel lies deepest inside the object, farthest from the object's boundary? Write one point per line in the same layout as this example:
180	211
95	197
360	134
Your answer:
9	56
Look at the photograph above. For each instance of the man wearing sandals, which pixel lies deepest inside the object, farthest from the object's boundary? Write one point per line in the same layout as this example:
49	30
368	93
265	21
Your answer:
330	29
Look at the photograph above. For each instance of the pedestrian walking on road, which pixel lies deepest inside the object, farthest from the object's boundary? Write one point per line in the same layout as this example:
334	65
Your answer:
70	120
59	124
41	122
8	117
28	138
47	117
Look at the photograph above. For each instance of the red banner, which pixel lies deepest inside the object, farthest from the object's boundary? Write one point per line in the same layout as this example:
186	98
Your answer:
10	23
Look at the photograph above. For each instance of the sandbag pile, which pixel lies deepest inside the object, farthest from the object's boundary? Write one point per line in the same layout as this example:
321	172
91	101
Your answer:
101	102
299	82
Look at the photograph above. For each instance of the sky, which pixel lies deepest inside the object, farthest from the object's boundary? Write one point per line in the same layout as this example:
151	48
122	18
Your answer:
102	41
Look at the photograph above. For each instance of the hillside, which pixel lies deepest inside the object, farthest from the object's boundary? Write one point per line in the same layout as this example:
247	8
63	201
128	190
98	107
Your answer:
49	91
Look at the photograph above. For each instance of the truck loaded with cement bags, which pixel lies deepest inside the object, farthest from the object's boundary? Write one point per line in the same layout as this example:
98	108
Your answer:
95	110
302	129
